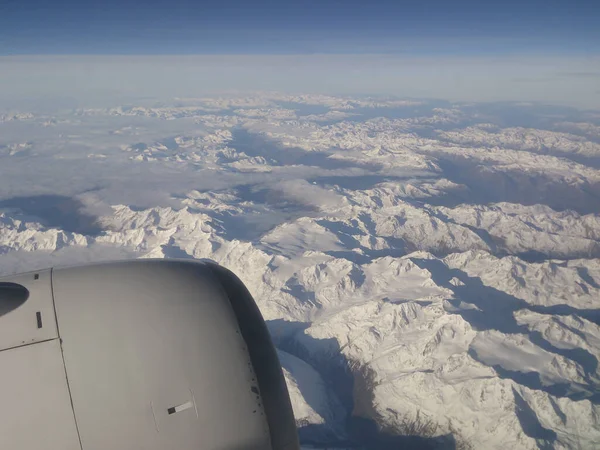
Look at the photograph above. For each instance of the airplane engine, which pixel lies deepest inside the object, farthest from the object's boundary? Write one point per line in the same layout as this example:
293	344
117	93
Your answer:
143	354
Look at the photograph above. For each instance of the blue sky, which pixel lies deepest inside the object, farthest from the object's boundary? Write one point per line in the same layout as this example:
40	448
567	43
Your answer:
299	27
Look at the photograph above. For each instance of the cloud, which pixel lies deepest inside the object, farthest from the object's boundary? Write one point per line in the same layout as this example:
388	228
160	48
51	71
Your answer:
580	74
59	166
534	80
305	193
477	78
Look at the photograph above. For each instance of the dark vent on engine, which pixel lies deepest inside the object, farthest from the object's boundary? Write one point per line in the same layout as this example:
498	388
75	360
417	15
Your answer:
12	295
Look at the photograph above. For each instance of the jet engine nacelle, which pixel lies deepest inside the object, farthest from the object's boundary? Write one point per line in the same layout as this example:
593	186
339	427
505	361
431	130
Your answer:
144	354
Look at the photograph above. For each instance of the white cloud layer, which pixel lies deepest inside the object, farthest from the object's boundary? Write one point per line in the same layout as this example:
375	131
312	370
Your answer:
75	79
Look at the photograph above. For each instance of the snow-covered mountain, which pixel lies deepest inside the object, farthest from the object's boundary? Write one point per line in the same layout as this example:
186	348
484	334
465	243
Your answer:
430	275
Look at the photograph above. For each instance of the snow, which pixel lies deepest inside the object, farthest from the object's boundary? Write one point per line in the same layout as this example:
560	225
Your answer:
436	273
316	408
